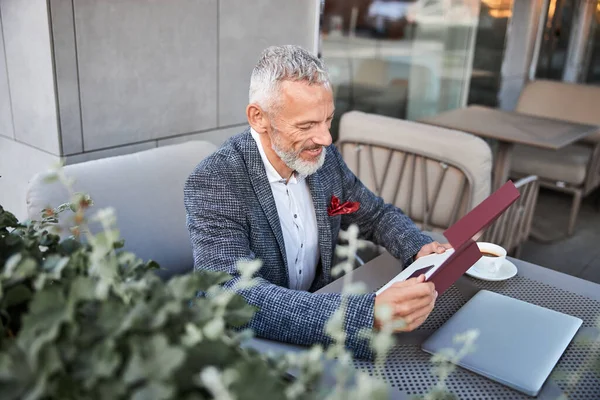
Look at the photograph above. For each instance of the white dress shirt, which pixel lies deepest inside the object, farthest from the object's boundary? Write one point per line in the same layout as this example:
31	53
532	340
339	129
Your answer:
298	223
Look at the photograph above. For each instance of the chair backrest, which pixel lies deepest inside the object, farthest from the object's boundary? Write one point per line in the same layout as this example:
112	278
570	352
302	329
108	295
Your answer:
512	229
561	100
434	175
146	191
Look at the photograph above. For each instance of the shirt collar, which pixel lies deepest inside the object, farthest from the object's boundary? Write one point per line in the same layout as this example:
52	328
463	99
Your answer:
272	174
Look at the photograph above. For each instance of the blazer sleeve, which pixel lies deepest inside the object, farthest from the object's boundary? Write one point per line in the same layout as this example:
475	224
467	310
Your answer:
219	232
381	223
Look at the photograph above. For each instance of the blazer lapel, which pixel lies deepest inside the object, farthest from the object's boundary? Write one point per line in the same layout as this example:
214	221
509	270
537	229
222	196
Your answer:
262	188
323	223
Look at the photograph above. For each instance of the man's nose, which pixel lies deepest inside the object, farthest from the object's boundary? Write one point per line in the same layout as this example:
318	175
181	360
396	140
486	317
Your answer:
322	137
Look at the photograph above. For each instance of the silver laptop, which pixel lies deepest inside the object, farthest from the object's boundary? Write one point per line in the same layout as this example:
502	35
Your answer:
518	345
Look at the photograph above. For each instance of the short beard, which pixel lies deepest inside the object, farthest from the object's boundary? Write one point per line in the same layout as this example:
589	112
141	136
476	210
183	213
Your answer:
293	160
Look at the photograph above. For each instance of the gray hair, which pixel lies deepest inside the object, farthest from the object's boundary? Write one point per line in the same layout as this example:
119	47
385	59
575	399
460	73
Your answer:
284	63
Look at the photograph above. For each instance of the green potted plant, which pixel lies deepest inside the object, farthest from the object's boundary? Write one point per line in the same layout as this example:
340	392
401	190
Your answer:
81	318
84	320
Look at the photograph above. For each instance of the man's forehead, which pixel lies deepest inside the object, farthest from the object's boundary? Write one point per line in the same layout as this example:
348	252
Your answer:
300	98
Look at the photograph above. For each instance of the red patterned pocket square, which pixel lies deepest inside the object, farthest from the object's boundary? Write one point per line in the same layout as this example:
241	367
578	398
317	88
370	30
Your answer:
337	208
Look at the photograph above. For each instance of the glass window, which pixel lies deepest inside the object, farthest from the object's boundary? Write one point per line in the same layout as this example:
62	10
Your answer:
401	58
592	74
555	40
494	17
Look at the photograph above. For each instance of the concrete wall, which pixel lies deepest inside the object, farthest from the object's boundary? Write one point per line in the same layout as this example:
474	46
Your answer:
6	122
88	79
18	163
28	61
164	72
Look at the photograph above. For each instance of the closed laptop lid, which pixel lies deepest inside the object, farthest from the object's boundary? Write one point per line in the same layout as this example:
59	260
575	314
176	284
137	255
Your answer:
518	344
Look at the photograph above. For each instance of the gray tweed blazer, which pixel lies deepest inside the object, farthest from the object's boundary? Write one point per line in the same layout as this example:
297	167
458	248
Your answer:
231	215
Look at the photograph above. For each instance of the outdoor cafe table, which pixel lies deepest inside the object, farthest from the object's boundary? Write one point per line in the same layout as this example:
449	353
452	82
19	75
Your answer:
408	370
508	128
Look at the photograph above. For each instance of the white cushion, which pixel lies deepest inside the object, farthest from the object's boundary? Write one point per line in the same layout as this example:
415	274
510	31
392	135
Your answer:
568	164
146	191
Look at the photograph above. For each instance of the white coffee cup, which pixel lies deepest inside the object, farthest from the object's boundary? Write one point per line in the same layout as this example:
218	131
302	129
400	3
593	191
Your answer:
492	257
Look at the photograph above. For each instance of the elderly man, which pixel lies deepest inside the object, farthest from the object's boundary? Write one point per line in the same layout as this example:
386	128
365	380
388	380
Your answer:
265	195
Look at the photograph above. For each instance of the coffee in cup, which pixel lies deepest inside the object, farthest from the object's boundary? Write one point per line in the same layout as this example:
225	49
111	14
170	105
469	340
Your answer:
492	257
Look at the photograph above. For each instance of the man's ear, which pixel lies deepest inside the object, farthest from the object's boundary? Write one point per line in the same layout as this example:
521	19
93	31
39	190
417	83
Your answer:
257	118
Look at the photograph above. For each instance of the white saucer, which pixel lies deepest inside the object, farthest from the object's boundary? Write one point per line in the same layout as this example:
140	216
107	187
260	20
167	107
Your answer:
506	271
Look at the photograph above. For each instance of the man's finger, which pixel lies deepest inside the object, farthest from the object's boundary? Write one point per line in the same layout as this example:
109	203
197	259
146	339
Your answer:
442	247
400	295
408	282
421	312
414	325
413	309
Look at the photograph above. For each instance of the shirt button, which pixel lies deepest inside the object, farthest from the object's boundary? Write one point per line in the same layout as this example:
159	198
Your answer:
295	215
300	272
301	245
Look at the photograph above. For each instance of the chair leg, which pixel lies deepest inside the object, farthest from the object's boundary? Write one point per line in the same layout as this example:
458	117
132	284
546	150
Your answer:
574	212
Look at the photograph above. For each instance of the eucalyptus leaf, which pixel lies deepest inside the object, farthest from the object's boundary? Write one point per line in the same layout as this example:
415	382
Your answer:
7	219
101	362
20	266
110	389
106	359
256	378
63	207
55	264
106	239
11	264
153	265
82	288
239	311
16	295
15	375
51	178
155	359
47	311
136	317
110	320
69	246
13	240
172	308
49	239
186	287
154	391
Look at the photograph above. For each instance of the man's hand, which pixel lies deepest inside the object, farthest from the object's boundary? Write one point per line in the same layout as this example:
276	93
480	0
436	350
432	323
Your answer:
410	301
434	247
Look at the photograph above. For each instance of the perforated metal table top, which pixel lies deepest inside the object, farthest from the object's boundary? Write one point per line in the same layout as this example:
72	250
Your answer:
408	369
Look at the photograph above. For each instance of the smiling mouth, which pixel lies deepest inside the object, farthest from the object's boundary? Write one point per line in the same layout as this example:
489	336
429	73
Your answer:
314	152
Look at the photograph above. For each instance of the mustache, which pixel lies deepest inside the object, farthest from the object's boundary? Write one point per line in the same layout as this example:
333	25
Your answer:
315	147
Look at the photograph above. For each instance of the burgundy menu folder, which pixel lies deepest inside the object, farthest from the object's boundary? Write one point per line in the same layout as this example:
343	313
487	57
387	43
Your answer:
482	216
461	234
